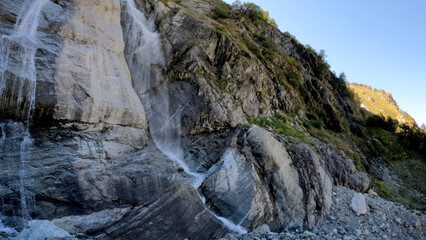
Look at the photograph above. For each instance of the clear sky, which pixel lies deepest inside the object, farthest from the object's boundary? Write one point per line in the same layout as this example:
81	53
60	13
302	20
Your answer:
381	43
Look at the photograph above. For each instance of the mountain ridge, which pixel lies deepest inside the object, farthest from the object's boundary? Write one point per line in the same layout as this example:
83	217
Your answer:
380	102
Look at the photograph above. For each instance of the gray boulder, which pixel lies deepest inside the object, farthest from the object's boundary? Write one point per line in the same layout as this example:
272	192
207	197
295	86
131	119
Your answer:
43	229
257	181
358	204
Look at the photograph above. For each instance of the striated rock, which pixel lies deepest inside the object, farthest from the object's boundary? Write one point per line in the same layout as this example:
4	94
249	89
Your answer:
169	211
256	182
315	182
91	223
358	204
72	182
276	165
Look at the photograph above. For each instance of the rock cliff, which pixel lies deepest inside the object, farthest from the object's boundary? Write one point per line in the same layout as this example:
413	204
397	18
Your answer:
266	128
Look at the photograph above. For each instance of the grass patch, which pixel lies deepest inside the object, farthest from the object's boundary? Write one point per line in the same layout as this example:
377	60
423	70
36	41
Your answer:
379	102
412	173
220	11
252	47
281	124
223	83
401	195
358	163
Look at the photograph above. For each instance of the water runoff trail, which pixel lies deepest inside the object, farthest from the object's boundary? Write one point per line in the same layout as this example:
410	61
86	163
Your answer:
146	61
18	88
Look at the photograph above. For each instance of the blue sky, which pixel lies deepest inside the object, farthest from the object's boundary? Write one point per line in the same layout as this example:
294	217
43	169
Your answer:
381	43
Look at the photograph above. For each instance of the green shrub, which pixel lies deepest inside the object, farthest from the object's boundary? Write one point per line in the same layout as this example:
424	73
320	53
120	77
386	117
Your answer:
381	122
266	43
257	14
252	47
220	11
313	121
412	173
413	138
358	163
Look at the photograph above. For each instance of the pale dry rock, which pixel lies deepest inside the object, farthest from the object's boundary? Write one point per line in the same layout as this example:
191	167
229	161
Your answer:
358	204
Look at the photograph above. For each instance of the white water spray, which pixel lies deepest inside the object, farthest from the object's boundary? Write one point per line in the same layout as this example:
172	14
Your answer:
146	62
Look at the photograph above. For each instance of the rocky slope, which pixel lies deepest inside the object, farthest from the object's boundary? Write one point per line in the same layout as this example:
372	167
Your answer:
87	161
383	220
381	103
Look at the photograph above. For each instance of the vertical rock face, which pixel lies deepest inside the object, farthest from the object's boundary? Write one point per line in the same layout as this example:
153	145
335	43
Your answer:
82	76
92	81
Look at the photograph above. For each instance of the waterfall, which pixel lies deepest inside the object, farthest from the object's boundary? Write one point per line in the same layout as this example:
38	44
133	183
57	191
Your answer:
17	92
15	146
146	61
17	63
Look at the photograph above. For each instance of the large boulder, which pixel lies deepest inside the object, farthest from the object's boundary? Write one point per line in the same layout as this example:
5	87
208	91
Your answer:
43	229
342	168
358	204
257	181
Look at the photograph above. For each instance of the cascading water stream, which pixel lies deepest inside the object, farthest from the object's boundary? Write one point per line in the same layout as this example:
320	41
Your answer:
17	60
17	91
146	61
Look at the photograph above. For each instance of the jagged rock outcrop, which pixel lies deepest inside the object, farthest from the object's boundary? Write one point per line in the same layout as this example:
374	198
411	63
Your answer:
226	81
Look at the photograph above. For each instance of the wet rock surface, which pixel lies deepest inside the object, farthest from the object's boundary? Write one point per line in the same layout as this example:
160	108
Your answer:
71	179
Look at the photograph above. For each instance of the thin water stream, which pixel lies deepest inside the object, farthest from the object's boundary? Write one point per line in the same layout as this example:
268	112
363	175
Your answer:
18	79
145	58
